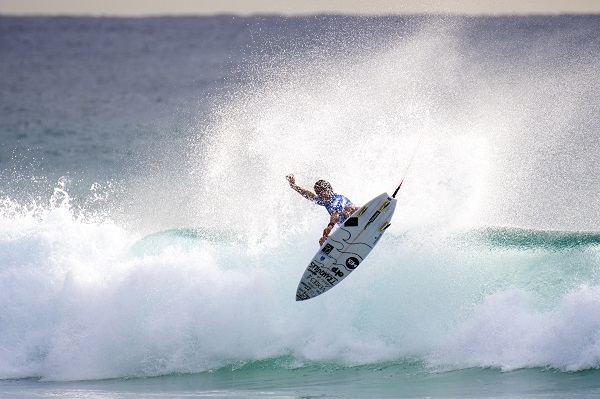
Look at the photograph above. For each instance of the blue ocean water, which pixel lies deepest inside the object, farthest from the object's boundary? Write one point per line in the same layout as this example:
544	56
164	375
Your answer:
150	244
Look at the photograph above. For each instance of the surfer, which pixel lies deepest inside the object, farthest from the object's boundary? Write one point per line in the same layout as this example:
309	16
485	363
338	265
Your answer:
338	206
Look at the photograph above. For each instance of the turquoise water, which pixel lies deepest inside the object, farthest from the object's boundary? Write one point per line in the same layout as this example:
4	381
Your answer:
151	247
383	381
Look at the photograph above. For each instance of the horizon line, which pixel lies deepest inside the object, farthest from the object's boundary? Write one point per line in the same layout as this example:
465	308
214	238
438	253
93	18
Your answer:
295	14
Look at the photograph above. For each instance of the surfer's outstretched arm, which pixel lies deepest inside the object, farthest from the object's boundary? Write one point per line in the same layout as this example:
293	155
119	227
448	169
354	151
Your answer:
309	195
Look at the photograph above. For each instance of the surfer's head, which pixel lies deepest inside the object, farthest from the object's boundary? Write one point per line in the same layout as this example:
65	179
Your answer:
323	190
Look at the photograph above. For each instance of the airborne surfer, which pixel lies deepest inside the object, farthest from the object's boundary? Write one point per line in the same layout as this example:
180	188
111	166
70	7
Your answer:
338	206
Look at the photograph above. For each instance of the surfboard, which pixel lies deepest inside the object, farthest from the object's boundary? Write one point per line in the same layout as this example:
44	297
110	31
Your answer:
347	247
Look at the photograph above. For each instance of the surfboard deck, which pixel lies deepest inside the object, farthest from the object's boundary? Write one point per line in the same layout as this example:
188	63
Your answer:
346	247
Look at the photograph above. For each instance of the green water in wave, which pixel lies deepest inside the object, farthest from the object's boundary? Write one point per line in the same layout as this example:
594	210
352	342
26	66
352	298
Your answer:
384	380
155	243
513	237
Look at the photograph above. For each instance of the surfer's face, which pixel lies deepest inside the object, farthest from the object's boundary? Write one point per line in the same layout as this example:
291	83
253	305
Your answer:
324	195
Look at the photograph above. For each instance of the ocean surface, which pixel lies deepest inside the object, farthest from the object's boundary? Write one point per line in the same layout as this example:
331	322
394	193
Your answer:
150	245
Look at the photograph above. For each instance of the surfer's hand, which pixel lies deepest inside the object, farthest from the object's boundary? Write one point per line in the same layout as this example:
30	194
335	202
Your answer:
322	240
291	179
325	234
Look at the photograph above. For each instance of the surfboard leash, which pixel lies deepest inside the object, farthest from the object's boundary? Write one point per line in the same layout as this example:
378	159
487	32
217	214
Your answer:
412	158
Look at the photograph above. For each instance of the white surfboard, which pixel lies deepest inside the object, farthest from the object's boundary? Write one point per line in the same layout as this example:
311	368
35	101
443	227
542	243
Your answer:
346	247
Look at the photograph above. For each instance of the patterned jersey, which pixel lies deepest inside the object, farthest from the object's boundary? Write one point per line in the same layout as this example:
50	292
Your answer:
337	203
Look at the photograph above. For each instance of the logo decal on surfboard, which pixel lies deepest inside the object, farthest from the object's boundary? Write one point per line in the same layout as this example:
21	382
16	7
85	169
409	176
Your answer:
351	222
372	219
338	272
352	263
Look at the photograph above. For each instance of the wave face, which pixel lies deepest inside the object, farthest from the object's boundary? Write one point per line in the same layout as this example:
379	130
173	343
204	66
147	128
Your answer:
85	300
187	258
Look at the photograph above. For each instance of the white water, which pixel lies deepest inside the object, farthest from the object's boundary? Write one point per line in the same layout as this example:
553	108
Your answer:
86	300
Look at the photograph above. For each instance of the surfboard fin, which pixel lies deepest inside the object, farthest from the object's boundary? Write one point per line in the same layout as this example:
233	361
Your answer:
384	226
384	205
